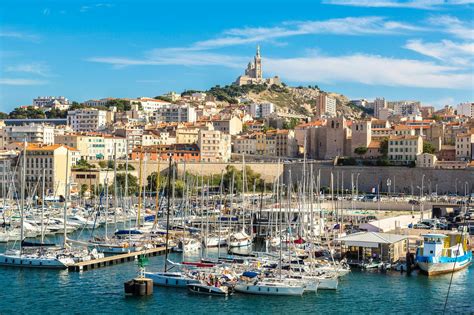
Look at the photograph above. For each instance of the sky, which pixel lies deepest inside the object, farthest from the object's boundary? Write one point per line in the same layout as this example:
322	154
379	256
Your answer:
400	50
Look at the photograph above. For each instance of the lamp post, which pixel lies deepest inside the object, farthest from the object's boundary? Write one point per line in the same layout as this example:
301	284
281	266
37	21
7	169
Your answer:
357	184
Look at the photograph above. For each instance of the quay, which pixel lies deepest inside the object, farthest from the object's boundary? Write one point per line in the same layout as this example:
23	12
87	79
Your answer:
116	259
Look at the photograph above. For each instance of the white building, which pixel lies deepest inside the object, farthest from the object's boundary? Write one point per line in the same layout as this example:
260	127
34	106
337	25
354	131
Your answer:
405	108
261	110
49	101
89	119
325	106
149	105
175	113
465	109
101	102
33	133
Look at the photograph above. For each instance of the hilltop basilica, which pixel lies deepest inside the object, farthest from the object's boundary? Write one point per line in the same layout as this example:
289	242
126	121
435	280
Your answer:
254	74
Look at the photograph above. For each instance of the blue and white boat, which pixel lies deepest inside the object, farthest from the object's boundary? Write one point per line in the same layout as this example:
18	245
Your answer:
443	253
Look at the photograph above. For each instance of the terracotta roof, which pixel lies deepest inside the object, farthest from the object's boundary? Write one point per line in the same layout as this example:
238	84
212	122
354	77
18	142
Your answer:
374	144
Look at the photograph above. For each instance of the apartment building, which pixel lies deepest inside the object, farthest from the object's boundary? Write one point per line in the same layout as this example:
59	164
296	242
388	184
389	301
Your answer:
214	145
53	159
88	119
245	144
404	149
32	133
95	146
179	152
169	113
261	110
325	106
285	142
265	144
231	126
59	102
464	146
405	108
149	105
465	109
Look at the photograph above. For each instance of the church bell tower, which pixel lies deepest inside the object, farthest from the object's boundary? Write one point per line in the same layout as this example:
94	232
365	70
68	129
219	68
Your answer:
258	64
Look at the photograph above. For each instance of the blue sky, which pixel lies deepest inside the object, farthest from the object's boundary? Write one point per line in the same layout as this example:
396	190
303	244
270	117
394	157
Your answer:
421	50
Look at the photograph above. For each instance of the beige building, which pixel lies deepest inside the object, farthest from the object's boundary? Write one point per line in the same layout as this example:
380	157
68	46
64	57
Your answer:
464	146
94	146
426	160
245	144
361	135
265	144
285	142
231	126
214	145
404	149
54	160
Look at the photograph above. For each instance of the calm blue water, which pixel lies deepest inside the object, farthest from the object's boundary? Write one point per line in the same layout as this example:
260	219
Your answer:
28	291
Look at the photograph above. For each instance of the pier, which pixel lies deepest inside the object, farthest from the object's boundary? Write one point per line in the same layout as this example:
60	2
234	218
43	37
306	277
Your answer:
116	259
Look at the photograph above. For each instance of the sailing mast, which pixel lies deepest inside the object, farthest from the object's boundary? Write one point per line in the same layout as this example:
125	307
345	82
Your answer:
22	194
66	195
168	197
157	184
139	189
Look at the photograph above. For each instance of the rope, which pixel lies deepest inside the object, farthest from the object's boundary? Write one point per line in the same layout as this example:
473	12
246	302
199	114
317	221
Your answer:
451	280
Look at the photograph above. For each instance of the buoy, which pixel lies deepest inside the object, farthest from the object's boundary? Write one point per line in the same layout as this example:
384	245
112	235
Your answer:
140	286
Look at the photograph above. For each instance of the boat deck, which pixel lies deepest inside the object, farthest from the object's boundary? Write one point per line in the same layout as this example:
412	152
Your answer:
116	259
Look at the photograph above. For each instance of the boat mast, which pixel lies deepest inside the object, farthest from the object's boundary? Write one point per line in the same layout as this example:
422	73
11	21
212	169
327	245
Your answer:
22	194
42	208
139	189
65	200
168	197
157	184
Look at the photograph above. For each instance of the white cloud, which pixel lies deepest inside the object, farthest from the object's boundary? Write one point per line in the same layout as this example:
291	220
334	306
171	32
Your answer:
446	50
19	35
33	68
343	26
86	8
414	4
158	57
454	26
20	82
370	70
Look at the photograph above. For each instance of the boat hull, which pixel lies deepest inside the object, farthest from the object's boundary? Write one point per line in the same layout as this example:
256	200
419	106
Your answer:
168	280
431	267
269	290
207	290
30	262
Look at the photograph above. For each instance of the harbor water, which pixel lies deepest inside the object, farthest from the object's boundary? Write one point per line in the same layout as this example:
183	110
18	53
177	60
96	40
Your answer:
29	291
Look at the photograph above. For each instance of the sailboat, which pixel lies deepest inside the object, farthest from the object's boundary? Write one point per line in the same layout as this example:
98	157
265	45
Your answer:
36	256
166	278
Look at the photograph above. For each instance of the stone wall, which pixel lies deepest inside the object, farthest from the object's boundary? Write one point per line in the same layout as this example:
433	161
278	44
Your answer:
402	179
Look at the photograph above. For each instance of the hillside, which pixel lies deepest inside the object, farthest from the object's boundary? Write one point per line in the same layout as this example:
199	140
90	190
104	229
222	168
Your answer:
294	100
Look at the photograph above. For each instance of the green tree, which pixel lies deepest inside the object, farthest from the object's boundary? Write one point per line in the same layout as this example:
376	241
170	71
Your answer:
3	115
83	164
27	113
56	113
110	164
384	147
132	184
121	105
84	188
361	150
428	148
103	164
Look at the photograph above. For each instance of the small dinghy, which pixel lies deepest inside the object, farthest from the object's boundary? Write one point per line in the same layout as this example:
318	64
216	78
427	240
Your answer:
202	288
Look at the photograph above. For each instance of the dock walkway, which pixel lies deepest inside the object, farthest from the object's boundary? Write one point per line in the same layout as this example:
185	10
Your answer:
115	259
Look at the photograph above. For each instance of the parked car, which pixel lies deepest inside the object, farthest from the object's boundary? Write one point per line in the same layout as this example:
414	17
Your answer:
413	202
421	226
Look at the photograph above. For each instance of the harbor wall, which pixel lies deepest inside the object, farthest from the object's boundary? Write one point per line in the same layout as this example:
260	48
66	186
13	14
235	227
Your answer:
402	179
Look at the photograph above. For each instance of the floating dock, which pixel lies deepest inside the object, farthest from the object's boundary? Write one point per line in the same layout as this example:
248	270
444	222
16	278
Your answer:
116	259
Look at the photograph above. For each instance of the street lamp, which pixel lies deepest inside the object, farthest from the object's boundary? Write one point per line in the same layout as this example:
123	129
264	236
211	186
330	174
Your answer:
357	184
